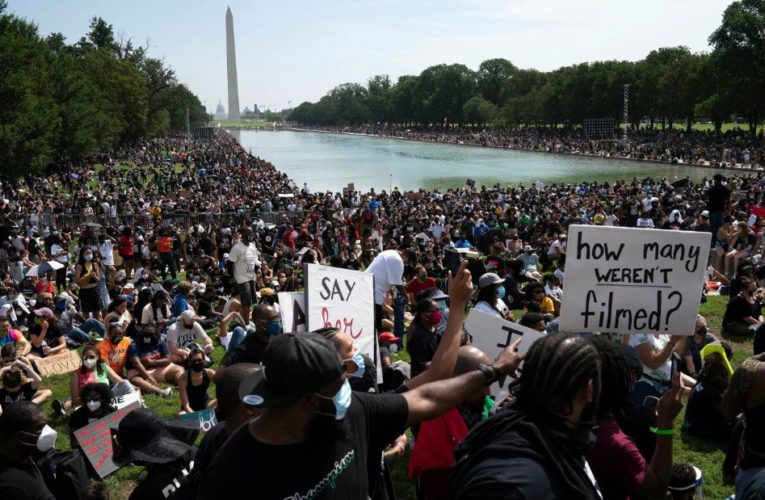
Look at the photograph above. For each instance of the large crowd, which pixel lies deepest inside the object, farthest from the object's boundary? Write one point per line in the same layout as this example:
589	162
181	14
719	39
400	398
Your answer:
151	260
732	149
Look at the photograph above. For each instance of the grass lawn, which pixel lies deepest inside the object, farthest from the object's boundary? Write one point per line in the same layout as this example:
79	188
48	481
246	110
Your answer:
706	455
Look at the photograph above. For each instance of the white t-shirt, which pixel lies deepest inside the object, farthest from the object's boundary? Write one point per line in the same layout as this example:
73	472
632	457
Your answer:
484	306
246	263
664	372
183	337
106	249
388	269
147	315
55	249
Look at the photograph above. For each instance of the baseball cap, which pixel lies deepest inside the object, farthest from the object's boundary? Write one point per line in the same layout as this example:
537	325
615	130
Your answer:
387	337
293	365
44	312
705	214
716	347
489	279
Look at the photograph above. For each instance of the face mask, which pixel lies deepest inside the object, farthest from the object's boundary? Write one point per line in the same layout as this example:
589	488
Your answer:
274	327
197	366
93	405
88	258
45	440
393	348
341	400
500	292
89	363
147	340
582	437
358	360
433	318
116	339
422	277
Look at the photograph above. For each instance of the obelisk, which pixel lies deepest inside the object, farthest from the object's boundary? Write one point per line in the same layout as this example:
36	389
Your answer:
233	86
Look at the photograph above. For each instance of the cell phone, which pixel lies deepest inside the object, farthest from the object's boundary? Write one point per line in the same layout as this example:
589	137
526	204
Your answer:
650	402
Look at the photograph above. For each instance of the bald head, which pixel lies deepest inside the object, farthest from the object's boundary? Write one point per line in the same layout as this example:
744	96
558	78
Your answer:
264	312
470	358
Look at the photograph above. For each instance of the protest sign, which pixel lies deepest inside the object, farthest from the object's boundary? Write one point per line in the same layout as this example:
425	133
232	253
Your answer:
95	439
629	280
126	399
343	299
492	334
292	310
65	362
205	418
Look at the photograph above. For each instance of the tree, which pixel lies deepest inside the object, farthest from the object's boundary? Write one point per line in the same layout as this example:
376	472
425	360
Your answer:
739	46
479	110
379	98
494	79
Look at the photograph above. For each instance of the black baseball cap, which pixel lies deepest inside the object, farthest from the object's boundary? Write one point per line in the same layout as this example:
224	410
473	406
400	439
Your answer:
293	365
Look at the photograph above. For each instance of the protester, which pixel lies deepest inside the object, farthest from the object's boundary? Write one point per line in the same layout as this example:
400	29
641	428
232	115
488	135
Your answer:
268	325
183	334
423	342
695	343
21	383
96	403
704	416
491	295
388	270
194	382
149	363
114	348
742	315
93	370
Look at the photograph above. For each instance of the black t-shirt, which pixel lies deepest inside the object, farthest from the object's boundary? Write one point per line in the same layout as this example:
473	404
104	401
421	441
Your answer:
208	449
332	464
717	195
25	394
513	478
249	351
701	415
421	347
738	309
22	480
163	480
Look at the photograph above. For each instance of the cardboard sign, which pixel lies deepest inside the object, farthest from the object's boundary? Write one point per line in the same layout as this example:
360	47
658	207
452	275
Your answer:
344	300
492	334
65	362
96	440
630	280
292	309
127	399
205	418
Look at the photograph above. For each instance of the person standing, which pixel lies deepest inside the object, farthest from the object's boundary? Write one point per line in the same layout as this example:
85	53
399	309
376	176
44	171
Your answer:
718	197
243	264
388	270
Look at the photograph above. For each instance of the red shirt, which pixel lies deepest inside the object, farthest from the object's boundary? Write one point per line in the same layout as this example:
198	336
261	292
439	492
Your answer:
165	244
126	246
615	461
41	288
416	286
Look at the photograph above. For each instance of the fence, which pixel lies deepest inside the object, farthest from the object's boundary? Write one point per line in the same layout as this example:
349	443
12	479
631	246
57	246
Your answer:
180	220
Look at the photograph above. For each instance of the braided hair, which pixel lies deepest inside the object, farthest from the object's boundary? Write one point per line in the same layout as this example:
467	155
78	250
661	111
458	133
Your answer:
556	369
615	376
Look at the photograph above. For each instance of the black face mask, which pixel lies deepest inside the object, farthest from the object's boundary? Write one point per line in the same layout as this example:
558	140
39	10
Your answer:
582	437
198	366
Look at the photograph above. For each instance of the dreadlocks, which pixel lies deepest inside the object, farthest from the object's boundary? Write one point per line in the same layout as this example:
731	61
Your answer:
555	371
615	379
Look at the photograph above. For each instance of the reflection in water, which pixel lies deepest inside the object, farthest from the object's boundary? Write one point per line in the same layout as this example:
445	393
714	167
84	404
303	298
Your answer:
330	161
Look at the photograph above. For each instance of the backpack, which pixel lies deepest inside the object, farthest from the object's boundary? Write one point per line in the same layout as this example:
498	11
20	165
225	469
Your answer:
65	474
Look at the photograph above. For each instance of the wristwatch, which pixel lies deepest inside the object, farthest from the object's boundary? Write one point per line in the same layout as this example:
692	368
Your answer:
489	373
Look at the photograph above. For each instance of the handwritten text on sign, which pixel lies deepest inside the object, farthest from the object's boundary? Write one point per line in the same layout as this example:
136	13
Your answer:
206	419
492	334
96	440
343	299
66	362
629	280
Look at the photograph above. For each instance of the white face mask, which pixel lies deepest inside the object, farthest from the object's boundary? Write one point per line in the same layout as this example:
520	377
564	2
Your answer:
89	363
46	440
93	405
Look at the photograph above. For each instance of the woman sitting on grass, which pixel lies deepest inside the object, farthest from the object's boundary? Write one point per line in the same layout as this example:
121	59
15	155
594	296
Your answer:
193	384
96	403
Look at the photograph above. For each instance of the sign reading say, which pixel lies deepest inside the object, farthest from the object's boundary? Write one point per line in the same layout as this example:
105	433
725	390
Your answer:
292	310
492	334
95	439
629	280
344	300
65	362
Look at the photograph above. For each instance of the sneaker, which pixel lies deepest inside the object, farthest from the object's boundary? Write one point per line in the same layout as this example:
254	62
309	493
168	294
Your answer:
165	392
58	407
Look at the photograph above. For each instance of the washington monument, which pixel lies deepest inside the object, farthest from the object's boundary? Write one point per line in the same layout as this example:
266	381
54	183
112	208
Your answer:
233	86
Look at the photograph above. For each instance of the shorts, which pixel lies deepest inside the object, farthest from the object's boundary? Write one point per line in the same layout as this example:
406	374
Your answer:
89	300
246	293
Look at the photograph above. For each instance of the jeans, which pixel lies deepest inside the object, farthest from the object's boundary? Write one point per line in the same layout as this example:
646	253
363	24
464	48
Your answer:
81	334
238	336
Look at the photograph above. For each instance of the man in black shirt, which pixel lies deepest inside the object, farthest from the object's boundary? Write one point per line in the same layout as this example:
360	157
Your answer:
267	325
23	433
315	432
717	198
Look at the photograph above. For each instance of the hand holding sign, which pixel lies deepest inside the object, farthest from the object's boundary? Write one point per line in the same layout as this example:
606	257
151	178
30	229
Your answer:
509	360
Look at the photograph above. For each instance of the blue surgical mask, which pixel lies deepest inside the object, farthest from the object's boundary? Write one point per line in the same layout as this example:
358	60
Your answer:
500	292
88	257
341	400
358	360
274	327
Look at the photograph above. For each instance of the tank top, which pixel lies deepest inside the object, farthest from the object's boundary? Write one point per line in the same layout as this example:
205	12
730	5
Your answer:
92	376
197	394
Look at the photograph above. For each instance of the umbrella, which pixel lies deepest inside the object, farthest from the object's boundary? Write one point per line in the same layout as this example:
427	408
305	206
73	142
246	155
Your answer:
45	267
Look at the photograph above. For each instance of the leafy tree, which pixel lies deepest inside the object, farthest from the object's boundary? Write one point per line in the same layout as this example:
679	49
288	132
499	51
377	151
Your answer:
479	110
494	79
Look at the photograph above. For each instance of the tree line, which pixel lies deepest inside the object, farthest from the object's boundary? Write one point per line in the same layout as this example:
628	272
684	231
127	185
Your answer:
669	85
61	102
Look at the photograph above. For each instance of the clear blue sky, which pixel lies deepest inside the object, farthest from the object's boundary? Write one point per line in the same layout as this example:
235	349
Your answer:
289	50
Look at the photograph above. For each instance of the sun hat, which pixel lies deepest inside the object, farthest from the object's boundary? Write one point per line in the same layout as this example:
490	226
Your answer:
144	436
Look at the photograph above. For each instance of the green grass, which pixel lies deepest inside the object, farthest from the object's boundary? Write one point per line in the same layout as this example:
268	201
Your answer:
705	454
